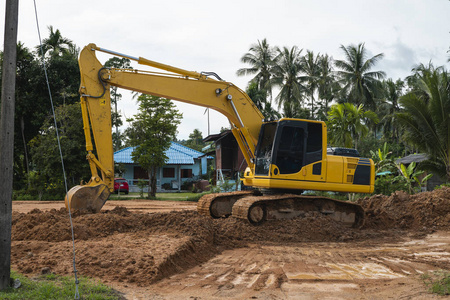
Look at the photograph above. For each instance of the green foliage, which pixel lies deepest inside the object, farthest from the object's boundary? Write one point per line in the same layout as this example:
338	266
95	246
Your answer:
195	141
412	177
347	124
151	132
141	184
442	186
438	282
259	97
425	119
32	96
360	85
196	197
285	76
388	107
57	287
116	117
226	186
382	159
261	58
388	184
367	145
45	153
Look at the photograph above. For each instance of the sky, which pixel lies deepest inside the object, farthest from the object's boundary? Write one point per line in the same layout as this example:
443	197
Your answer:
208	35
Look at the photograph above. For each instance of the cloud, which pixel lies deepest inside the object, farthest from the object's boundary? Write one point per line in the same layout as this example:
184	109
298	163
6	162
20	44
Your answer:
398	60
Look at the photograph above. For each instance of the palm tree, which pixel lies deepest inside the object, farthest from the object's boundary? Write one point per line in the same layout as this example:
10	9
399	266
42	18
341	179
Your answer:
119	63
261	59
286	75
426	118
390	106
359	84
328	86
258	97
56	44
347	124
311	70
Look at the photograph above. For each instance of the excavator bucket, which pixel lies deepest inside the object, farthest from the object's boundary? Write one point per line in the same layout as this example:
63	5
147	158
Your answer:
87	197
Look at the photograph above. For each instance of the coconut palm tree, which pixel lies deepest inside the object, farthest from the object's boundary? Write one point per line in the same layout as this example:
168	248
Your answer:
347	124
55	44
258	97
311	75
328	87
286	76
426	120
261	60
360	85
389	107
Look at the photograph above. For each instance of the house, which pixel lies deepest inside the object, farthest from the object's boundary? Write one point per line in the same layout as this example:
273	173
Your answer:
229	159
183	164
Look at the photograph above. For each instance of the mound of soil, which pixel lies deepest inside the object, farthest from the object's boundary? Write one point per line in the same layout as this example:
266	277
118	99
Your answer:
121	246
427	210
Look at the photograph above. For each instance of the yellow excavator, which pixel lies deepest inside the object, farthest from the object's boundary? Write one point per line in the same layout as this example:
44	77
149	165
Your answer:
285	157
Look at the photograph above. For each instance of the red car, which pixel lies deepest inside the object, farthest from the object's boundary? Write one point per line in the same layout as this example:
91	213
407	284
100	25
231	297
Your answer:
121	185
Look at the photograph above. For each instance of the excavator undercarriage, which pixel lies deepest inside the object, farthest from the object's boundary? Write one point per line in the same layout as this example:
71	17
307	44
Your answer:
257	208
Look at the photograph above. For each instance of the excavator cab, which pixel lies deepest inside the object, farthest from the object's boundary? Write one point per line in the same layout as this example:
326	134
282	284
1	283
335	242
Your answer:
289	145
291	155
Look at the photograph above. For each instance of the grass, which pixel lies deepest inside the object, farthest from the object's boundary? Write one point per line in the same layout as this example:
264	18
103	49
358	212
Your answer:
438	282
57	287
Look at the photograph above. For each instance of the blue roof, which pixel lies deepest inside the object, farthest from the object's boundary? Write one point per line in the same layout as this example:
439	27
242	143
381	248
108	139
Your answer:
177	154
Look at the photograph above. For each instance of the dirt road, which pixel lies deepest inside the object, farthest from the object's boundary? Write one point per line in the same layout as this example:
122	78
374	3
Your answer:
165	250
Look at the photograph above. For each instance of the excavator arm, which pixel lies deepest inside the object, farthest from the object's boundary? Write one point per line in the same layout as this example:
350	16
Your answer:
174	83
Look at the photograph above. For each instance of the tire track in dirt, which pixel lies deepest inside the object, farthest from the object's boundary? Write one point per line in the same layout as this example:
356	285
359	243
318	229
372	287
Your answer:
312	271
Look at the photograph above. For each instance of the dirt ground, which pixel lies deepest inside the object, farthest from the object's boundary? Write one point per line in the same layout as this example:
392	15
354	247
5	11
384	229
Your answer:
165	250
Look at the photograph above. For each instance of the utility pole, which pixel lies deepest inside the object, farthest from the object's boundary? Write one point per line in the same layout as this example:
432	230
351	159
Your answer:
7	138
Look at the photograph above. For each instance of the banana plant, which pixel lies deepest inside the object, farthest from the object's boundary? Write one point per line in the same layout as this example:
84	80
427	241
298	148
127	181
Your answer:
411	177
382	160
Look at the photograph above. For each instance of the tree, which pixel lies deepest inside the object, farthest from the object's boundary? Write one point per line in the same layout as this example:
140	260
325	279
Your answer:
55	44
425	118
261	58
311	70
360	85
195	140
122	63
347	124
151	132
328	87
258	97
45	153
33	104
389	107
286	77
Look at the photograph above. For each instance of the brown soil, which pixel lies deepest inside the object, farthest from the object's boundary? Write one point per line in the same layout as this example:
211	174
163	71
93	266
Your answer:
177	253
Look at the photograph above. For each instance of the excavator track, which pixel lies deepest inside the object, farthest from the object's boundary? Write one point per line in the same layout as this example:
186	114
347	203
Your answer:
219	205
257	209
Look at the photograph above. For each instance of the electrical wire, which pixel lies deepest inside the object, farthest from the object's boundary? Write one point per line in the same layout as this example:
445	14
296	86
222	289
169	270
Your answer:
77	294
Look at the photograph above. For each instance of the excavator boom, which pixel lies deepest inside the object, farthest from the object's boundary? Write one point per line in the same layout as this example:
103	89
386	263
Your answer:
181	85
